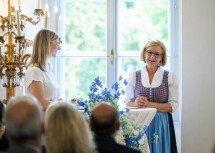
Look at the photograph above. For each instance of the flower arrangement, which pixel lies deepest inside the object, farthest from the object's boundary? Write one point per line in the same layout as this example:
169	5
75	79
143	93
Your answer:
130	133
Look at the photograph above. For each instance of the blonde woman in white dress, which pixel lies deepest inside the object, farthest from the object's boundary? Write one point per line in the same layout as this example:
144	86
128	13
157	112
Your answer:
40	81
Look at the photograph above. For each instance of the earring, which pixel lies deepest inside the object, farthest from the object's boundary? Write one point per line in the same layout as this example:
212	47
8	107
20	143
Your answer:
144	61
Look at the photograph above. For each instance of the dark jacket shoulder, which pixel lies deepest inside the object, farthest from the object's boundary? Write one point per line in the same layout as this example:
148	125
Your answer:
4	143
107	144
21	149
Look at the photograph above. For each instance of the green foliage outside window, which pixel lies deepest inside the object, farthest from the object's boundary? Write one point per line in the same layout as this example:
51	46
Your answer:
86	26
142	21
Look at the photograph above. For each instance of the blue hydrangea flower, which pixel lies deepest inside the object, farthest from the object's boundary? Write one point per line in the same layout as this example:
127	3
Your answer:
125	82
120	77
115	86
98	82
81	103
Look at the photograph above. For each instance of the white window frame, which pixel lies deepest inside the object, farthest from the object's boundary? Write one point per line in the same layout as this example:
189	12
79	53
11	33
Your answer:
112	29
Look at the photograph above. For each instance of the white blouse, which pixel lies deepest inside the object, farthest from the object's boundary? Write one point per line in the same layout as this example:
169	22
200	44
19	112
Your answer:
157	80
47	78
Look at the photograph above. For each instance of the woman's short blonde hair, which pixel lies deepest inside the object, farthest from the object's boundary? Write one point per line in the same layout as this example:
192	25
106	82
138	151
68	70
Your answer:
68	131
155	43
41	47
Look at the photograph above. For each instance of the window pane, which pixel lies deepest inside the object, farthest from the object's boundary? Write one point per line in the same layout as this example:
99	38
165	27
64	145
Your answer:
85	25
141	21
79	74
127	65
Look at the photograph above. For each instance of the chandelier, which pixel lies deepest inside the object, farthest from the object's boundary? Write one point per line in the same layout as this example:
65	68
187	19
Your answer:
13	46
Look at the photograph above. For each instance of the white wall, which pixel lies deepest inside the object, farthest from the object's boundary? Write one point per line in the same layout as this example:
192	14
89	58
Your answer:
198	75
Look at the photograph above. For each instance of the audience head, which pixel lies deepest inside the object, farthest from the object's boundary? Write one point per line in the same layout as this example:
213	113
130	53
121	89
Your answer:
67	131
46	44
104	119
155	43
23	119
2	127
50	110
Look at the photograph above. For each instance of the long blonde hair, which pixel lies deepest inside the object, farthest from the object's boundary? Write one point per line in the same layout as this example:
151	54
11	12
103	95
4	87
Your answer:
50	110
41	47
68	131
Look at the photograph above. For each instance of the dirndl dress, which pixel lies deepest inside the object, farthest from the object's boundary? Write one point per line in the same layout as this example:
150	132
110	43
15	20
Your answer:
160	133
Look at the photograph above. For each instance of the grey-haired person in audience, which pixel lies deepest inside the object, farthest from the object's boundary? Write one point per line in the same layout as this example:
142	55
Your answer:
23	118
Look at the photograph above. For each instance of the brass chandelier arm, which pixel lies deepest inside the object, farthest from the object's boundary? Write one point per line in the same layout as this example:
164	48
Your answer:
13	47
29	42
2	59
25	58
26	18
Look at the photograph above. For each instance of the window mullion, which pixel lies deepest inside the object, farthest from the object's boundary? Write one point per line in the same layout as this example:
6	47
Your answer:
111	40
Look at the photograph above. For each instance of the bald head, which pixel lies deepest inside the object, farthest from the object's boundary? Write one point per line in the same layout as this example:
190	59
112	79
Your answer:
104	119
23	118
